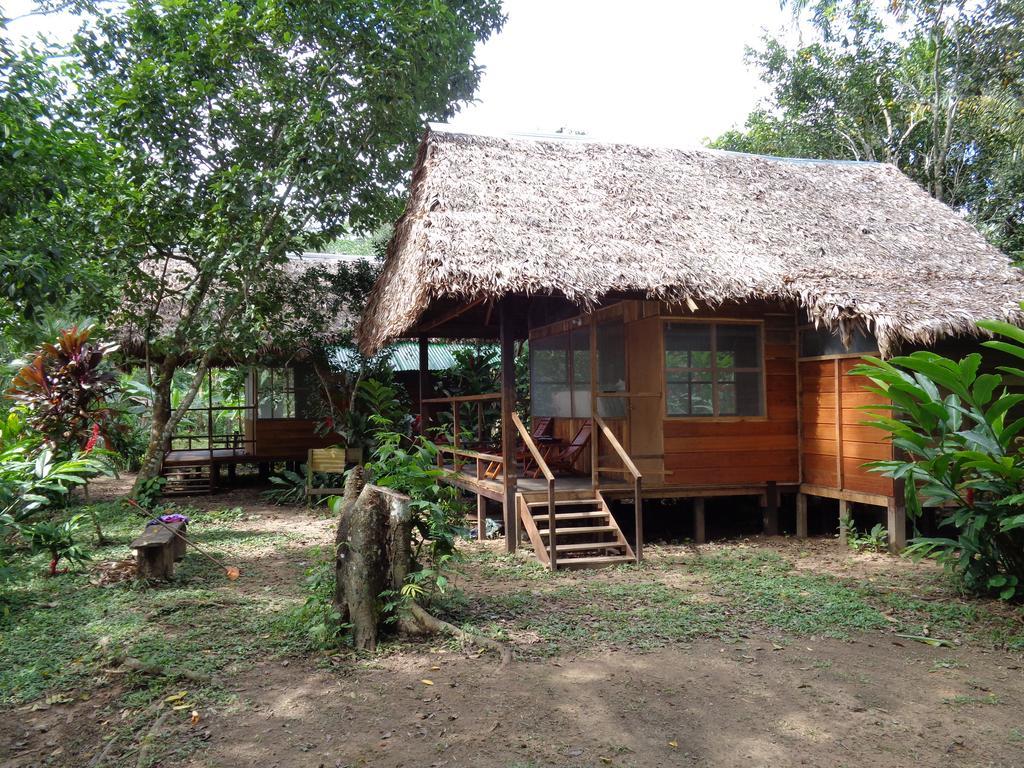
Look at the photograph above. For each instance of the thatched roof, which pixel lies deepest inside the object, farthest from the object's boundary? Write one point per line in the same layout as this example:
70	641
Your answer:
854	244
293	285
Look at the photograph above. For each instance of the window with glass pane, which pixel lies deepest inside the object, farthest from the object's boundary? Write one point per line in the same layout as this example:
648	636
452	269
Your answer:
276	390
550	394
713	369
611	368
580	341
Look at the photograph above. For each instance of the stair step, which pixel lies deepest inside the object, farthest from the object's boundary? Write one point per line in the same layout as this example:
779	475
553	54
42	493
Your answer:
590	545
581	529
543	518
594	562
562	502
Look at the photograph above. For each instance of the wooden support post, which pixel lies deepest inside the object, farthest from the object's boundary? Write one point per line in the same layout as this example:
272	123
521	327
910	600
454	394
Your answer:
700	534
844	517
638	511
508	432
481	517
456	442
424	376
896	523
770	512
801	515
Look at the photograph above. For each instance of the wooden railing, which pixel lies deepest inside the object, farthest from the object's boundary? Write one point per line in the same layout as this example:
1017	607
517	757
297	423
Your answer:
524	433
455	449
628	467
210	440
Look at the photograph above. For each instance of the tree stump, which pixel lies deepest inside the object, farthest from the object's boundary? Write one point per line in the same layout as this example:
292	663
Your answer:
373	546
373	554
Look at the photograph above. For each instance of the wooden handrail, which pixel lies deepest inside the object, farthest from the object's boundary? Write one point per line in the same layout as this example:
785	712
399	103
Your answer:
467	453
617	446
534	451
630	467
550	477
463	398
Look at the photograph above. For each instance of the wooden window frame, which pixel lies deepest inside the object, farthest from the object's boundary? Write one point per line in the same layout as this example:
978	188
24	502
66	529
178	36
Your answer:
713	324
570	367
289	389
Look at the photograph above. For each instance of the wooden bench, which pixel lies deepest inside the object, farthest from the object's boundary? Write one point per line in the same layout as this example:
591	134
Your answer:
158	548
324	460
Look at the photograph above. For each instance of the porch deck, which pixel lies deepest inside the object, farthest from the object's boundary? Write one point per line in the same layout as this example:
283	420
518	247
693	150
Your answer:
565	485
195	456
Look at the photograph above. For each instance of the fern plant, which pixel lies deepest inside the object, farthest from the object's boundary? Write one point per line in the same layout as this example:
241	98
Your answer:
289	488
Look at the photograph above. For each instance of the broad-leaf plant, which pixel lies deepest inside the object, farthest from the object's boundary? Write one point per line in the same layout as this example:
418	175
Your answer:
957	433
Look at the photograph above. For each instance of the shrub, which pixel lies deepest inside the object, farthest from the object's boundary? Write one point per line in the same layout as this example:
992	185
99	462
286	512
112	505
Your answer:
409	465
959	452
63	389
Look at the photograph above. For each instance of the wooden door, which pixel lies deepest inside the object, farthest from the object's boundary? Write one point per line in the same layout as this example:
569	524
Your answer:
646	421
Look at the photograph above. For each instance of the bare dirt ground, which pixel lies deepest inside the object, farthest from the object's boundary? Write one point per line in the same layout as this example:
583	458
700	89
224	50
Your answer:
770	698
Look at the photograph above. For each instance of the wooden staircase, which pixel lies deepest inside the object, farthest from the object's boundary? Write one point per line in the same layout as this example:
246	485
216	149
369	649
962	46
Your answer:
187	479
586	534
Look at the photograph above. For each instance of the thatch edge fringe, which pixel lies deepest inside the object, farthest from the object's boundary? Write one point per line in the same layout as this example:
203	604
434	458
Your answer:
409	282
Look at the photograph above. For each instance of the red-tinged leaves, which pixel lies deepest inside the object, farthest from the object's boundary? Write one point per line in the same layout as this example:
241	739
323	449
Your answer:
64	388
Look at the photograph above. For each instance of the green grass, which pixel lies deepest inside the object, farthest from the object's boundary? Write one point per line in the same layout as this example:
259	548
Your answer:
735	592
65	634
962	700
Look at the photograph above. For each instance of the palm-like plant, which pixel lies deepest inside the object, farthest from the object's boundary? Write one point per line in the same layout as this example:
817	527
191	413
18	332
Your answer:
57	538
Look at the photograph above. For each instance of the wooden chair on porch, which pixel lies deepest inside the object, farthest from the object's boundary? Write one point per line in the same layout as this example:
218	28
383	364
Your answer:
541	428
565	459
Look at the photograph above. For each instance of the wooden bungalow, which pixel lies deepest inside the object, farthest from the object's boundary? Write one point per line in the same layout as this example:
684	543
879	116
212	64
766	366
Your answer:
699	310
254	410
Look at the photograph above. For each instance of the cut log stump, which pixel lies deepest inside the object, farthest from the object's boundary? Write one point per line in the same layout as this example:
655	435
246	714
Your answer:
157	549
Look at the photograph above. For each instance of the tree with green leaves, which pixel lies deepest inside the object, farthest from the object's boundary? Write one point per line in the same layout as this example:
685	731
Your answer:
50	162
931	86
243	132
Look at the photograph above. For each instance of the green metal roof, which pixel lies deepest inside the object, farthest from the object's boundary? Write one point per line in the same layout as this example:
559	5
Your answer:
405	355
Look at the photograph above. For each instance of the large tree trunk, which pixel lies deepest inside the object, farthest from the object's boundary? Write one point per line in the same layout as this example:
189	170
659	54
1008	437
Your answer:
165	420
161	413
373	552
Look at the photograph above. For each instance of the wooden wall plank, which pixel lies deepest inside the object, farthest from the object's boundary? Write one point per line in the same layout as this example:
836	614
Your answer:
830	414
764	442
731	475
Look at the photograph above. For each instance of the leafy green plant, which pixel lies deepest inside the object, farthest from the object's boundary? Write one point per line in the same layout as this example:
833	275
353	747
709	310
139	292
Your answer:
409	465
29	482
57	538
874	540
64	387
290	487
316	622
960	453
149	491
128	430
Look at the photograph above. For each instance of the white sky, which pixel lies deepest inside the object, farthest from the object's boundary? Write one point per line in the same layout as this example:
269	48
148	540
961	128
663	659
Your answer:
653	71
650	71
